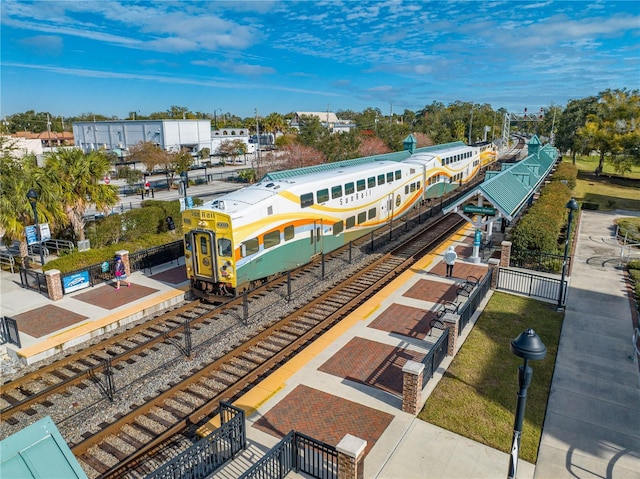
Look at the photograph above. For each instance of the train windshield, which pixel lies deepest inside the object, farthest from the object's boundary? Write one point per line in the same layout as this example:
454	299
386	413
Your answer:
224	247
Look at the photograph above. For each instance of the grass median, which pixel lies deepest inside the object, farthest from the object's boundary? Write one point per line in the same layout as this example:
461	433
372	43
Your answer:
477	395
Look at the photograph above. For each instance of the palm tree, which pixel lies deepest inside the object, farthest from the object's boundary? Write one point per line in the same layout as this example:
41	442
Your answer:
77	174
19	175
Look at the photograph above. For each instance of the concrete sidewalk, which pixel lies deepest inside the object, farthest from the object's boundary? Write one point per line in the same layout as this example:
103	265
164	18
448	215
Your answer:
592	424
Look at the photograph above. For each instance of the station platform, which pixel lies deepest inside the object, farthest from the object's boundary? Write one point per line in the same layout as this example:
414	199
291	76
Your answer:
347	383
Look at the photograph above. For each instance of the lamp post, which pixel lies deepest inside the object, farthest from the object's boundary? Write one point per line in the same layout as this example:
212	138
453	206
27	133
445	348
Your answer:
572	205
32	196
528	346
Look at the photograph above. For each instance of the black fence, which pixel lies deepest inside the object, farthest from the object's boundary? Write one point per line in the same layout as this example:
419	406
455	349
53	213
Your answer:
9	331
472	303
530	284
35	280
299	453
155	256
538	261
435	356
210	452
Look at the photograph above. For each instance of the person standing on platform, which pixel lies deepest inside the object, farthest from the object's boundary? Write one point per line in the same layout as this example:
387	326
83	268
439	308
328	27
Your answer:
449	259
120	273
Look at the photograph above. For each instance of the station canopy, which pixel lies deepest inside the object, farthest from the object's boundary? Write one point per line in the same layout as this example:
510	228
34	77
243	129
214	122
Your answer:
509	190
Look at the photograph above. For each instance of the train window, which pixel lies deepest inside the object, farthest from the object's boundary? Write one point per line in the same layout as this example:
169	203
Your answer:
224	247
318	233
204	246
398	174
306	200
371	213
351	222
418	185
271	239
390	177
406	189
336	191
371	182
289	232
269	210
338	228
360	185
250	247
362	217
380	180
413	187
322	196
412	171
348	189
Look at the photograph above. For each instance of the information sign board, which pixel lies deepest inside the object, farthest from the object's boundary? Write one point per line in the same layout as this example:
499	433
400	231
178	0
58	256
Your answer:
45	232
76	281
32	237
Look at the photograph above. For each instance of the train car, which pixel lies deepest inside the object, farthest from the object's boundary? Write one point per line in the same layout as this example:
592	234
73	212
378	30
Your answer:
240	239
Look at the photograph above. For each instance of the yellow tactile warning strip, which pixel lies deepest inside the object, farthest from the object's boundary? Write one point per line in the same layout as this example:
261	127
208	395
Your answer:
71	335
251	401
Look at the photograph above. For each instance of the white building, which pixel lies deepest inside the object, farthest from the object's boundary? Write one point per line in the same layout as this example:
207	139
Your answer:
328	119
121	135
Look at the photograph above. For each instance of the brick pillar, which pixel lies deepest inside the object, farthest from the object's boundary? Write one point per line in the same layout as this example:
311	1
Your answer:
451	322
505	255
493	267
54	284
412	373
351	457
124	254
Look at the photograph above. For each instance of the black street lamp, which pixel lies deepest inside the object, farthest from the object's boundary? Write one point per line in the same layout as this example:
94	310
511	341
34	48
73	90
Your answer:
528	346
32	196
572	205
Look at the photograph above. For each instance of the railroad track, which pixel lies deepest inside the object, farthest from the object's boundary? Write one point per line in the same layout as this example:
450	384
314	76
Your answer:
137	443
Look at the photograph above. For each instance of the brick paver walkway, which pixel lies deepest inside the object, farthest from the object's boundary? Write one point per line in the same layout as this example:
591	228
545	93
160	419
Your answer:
404	320
175	275
107	297
324	417
46	320
369	362
432	291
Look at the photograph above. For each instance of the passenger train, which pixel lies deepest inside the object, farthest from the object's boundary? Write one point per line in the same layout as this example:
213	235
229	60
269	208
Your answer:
240	239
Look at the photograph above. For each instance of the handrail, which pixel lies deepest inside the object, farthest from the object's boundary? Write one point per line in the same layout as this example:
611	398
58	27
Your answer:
636	339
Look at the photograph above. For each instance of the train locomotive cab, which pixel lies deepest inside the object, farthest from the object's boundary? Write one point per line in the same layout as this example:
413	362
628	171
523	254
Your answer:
209	258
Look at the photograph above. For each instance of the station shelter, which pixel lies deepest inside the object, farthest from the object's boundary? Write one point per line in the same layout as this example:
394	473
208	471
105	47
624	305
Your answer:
504	194
38	451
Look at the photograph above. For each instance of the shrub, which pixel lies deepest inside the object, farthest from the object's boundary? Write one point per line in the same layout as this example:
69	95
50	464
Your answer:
566	172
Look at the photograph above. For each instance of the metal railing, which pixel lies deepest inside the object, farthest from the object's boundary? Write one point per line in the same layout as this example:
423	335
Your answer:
472	303
538	261
435	356
155	256
9	331
211	452
296	452
59	245
530	284
31	279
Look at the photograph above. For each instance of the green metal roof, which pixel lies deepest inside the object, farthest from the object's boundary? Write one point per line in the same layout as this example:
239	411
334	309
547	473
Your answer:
394	156
509	189
38	451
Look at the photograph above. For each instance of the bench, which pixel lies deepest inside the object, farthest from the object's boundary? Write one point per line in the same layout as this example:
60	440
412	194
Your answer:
466	287
446	307
6	259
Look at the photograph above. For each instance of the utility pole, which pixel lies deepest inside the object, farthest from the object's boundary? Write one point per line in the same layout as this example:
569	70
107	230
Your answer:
258	136
390	112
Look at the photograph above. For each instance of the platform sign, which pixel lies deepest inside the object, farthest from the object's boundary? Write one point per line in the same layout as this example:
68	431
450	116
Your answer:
189	202
479	210
76	281
32	237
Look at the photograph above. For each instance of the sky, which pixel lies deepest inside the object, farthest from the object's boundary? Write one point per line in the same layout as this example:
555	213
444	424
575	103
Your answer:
115	57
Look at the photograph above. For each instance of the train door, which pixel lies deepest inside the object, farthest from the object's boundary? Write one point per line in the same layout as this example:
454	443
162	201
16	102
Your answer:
386	207
204	259
316	237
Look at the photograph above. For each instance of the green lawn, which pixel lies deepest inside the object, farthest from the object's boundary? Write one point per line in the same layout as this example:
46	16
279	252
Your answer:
477	396
610	191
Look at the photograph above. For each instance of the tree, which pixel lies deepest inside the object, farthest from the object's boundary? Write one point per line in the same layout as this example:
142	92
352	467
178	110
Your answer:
149	154
570	120
77	176
614	126
274	123
312	133
297	155
371	146
19	175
